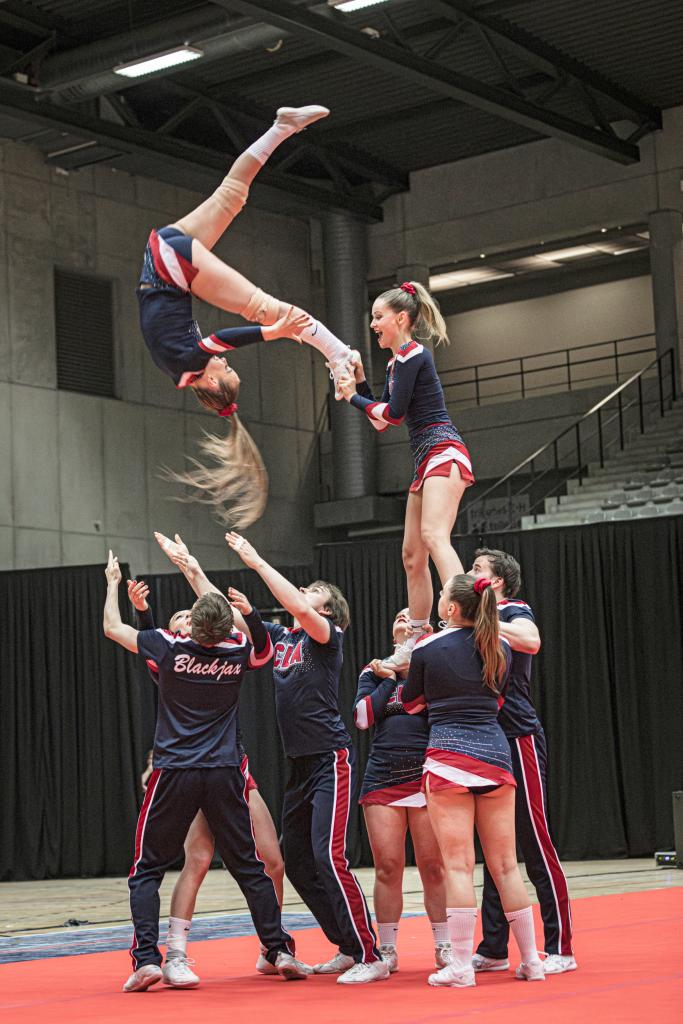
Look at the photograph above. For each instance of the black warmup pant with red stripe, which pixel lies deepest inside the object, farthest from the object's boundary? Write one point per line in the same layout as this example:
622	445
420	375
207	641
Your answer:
315	815
529	763
171	802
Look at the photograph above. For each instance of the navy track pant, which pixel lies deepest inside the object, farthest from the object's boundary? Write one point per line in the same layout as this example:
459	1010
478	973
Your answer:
529	764
171	802
315	815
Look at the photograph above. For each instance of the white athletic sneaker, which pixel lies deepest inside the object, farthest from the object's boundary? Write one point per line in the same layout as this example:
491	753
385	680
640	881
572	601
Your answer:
143	978
300	117
530	972
453	977
177	973
339	963
485	963
443	954
555	963
338	369
264	966
361	974
390	957
291	969
399	661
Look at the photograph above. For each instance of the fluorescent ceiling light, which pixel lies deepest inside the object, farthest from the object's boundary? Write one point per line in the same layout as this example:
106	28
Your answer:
461	278
158	61
575	252
354	5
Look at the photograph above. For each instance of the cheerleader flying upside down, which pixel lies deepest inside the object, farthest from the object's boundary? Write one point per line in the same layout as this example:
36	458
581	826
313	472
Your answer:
179	263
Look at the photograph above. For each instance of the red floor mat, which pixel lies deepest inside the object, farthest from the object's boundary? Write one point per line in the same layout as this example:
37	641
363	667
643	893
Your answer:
628	949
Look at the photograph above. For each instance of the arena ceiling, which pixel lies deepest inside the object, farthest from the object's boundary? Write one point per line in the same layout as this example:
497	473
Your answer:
411	84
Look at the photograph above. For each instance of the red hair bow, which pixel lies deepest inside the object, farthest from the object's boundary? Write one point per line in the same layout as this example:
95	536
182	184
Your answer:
408	287
480	584
228	410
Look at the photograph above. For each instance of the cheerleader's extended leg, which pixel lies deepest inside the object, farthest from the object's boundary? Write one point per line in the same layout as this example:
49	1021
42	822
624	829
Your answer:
211	218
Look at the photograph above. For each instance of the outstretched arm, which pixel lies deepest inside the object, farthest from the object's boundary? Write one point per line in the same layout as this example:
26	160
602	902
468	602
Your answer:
316	625
179	554
391	410
114	628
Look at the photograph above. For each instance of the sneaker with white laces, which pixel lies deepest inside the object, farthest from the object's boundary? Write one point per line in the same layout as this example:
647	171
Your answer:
390	956
299	118
291	969
362	973
556	963
487	963
339	963
177	972
264	966
339	368
443	954
143	978
399	661
453	977
532	971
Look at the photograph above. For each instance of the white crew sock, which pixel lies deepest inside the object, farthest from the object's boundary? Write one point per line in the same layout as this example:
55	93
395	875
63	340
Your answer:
268	143
388	933
326	342
178	931
461	925
522	925
440	931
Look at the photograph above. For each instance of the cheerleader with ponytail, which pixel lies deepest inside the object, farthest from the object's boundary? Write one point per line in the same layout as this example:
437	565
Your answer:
460	676
179	263
405	319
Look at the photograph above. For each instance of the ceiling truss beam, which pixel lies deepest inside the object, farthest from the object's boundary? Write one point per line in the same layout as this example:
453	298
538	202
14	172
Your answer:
335	35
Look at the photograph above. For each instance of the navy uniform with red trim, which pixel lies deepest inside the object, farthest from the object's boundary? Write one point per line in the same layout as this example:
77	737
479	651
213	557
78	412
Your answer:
145	620
171	333
525	735
413	393
467	747
320	787
197	767
393	773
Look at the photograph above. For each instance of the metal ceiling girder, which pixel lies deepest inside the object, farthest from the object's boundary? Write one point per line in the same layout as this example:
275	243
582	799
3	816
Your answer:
360	163
176	151
394	60
541	50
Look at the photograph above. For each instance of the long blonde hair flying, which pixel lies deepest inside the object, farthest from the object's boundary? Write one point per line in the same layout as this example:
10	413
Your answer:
236	486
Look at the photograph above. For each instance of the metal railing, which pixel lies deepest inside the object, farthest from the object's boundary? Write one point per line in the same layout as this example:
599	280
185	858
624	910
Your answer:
560	369
599	433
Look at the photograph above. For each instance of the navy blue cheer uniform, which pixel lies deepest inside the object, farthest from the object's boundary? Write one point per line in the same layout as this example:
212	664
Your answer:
171	333
413	393
393	773
145	620
467	748
320	786
197	767
526	738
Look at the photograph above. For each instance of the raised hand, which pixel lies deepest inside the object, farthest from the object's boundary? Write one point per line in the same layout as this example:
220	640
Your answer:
113	572
239	601
243	548
138	592
357	364
178	552
347	387
382	670
291	325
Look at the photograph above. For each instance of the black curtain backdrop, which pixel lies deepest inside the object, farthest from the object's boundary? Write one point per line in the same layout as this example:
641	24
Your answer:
77	713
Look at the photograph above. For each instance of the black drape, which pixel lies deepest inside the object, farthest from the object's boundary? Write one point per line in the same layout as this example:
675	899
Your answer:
77	712
70	729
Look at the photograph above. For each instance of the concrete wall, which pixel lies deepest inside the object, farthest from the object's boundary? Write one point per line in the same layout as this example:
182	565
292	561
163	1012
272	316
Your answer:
517	197
79	473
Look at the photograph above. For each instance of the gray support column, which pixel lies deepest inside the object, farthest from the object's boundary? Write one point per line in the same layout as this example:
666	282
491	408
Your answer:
353	439
666	263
